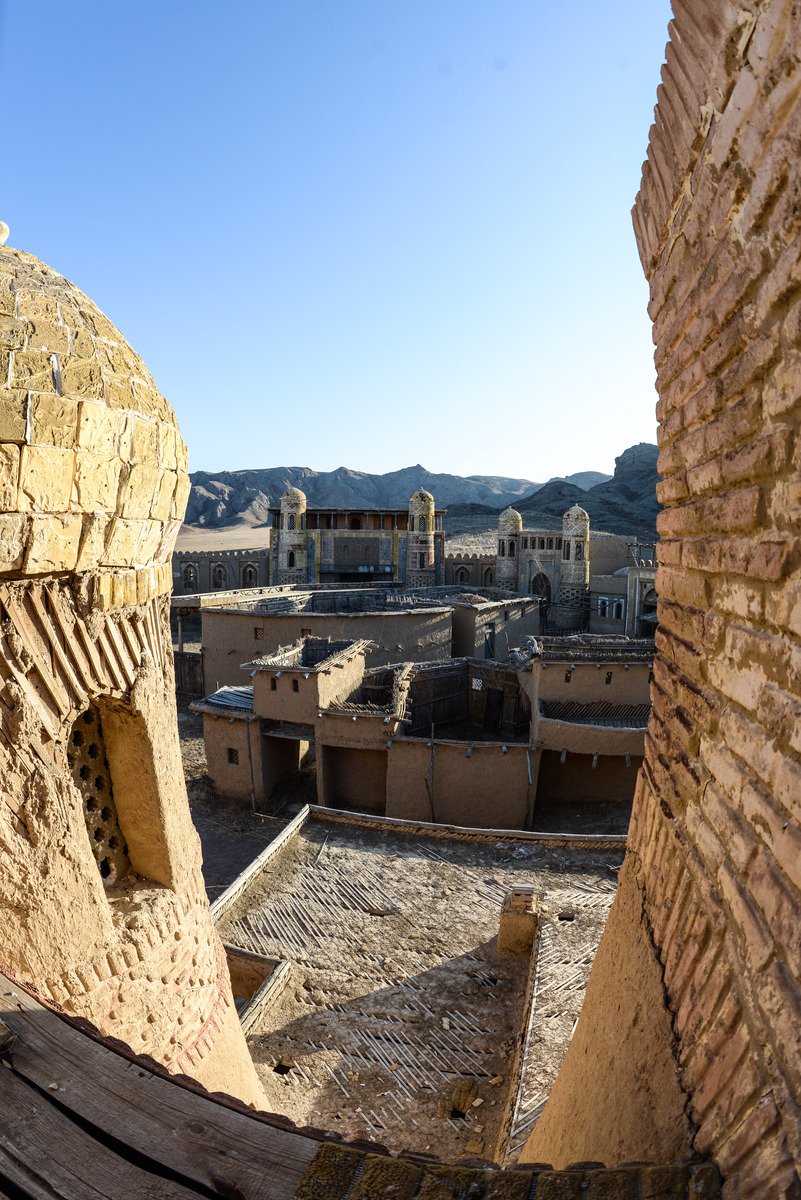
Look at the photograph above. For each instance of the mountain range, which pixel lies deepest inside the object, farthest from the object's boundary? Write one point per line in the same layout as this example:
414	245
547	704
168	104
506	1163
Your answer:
624	502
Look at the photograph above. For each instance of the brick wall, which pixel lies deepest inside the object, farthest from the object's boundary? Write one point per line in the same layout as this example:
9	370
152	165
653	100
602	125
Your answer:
716	834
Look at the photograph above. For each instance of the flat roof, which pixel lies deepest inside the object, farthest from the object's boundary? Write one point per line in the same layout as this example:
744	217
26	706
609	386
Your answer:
398	995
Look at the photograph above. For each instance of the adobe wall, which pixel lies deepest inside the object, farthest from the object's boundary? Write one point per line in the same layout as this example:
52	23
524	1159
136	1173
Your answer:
587	683
715	848
588	739
489	788
576	780
229	638
242	779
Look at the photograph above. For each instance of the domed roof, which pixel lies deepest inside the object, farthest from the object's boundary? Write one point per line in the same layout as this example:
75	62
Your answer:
293	495
92	466
577	513
421	497
511	519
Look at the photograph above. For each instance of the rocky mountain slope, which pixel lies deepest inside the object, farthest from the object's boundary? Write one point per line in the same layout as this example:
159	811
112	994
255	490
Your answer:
626	503
244	497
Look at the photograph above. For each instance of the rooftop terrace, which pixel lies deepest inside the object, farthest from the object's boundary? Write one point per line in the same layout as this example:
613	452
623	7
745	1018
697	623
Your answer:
397	999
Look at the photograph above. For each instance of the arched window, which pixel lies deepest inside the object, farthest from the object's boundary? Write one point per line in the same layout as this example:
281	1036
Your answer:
489	577
617	610
411	524
579	551
502	549
566	550
219	576
355	523
250	575
290	521
511	548
603	606
189	577
461	575
549	544
290	560
542	543
423	526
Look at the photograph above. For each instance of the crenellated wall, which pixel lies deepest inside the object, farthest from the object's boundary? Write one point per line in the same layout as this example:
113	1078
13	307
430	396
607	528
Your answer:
712	883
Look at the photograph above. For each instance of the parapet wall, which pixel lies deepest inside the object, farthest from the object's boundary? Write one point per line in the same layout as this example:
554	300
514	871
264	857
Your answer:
715	848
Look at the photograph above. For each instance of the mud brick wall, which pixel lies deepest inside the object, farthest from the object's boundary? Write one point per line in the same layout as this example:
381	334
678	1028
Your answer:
718	226
715	848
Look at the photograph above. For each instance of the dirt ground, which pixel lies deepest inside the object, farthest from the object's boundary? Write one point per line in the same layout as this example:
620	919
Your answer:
230	833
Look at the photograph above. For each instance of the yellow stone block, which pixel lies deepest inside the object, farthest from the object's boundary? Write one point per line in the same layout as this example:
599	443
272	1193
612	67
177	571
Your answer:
119	394
149	541
138	491
47	336
130	588
104	590
13	539
144	439
81	377
9	476
182	489
98	428
97	481
121	542
53	544
92	541
161	508
13	415
46	475
54	421
33	370
167	544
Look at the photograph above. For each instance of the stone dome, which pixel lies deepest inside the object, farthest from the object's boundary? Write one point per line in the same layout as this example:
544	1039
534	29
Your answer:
510	521
92	465
421	499
293	498
576	513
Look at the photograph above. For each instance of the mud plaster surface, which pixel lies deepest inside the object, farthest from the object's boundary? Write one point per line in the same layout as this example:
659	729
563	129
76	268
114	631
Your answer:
398	1008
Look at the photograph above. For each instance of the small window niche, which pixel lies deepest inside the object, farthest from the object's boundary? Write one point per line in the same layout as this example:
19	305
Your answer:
232	755
88	762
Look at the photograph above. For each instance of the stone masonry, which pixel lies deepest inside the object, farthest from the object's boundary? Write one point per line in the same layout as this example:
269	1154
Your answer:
103	909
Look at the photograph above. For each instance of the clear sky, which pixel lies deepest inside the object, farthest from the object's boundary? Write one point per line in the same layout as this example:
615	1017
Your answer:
366	233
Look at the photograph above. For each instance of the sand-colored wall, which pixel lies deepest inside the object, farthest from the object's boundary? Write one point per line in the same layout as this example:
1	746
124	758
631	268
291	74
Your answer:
622	1054
354	778
241	780
587	683
102	902
488	788
300	693
715	844
589	739
575	779
229	638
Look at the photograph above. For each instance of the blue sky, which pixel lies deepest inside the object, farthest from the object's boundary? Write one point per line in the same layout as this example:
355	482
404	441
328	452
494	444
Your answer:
352	232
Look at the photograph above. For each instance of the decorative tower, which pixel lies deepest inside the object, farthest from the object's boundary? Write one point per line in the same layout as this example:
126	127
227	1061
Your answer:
507	563
420	565
103	908
571	610
576	548
291	557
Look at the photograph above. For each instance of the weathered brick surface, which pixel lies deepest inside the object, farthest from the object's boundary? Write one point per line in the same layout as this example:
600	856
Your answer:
716	829
88	446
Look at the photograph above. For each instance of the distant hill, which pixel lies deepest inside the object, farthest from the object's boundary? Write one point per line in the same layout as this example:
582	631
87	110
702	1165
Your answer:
244	497
626	503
